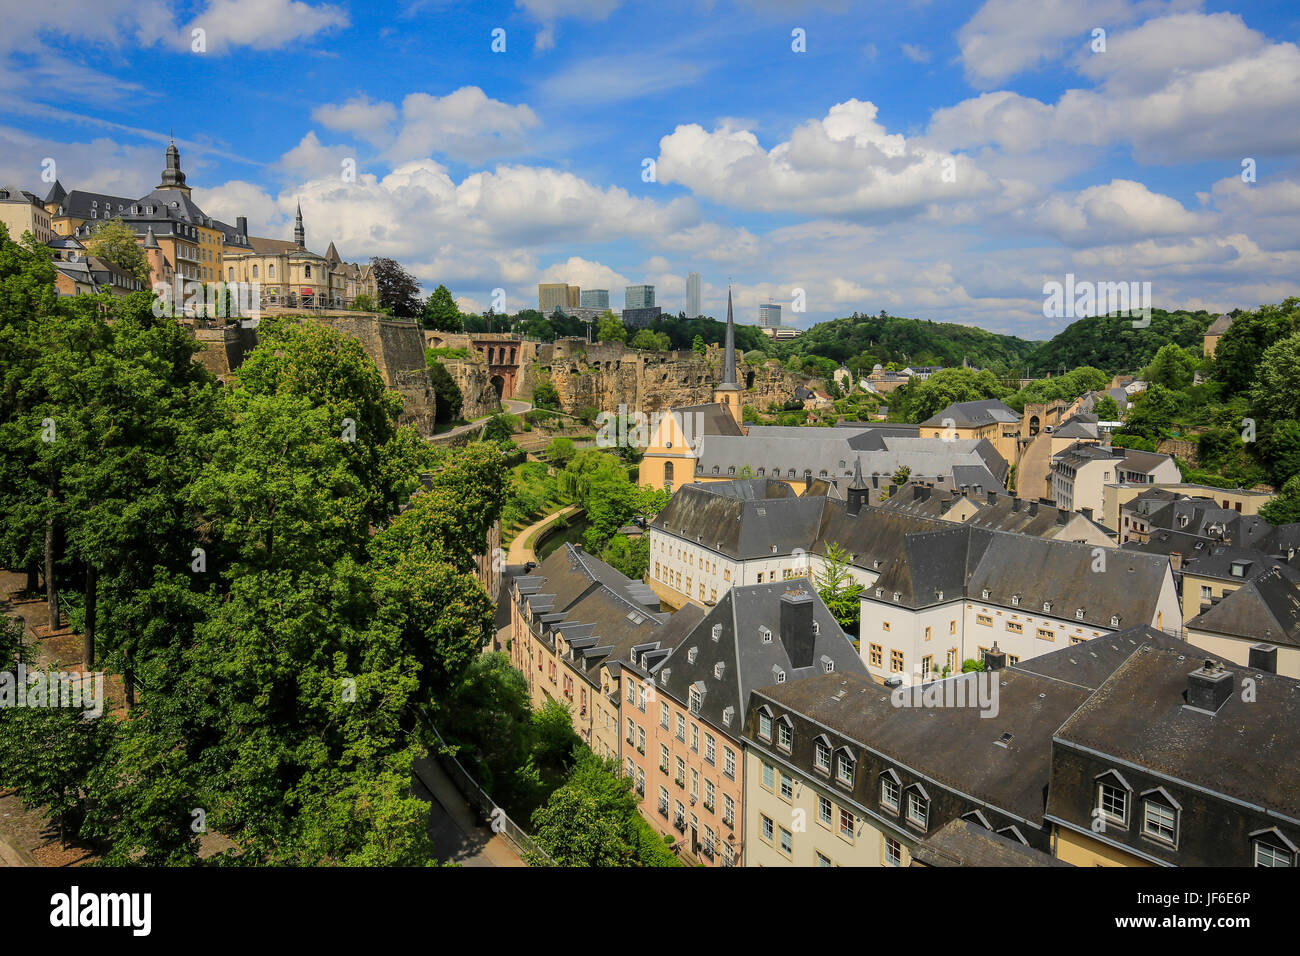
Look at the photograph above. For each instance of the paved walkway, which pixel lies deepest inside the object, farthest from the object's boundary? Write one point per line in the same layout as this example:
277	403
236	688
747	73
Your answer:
453	828
521	550
509	406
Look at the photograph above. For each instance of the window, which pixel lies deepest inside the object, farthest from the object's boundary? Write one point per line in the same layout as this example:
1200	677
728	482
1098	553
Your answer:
308	273
663	757
824	809
846	766
710	795
765	725
927	633
1046	634
695	784
823	756
884	626
695	739
1159	822
918	809
1015	627
889	792
1113	803
640	703
893	852
848	822
787	786
631	730
631	692
1266	854
681	728
896	661
663	714
769	776
729	763
640	739
784	735
984	619
823	860
927	667
787	842
728	810
765	824
877	655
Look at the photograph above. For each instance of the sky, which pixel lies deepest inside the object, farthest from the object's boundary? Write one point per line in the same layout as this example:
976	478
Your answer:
938	160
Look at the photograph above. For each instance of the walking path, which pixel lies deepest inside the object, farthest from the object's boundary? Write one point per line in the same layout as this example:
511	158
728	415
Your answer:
456	834
509	406
521	549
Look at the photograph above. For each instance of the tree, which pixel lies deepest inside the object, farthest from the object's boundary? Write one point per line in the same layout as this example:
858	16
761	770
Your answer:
399	291
838	589
651	341
560	451
545	395
630	556
446	391
698	346
114	241
441	312
1106	409
1171	367
498	428
1275	394
1285	508
364	303
610	328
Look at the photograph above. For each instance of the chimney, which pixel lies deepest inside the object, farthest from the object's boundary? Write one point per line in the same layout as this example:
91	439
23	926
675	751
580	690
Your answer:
993	498
1086	512
1209	686
241	225
1033	508
1015	505
797	627
995	658
1176	561
1062	516
1263	657
924	492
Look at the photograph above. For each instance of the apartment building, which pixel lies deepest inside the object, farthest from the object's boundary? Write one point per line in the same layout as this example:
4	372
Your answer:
989	419
21	211
998	511
1080	472
1257	624
958	594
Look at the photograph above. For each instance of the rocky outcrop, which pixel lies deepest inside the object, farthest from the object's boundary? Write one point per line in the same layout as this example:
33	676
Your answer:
605	375
478	395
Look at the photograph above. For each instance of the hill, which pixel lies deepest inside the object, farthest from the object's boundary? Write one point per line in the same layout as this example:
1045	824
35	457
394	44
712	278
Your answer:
883	339
1112	344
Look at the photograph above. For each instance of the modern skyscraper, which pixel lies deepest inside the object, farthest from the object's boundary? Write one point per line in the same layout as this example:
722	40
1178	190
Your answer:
639	297
595	299
692	295
769	315
552	296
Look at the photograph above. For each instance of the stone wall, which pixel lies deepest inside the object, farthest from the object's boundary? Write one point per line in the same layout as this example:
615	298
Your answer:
478	395
602	375
396	348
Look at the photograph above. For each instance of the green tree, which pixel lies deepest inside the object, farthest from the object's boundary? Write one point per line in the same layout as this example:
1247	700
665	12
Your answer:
114	241
446	392
1171	367
545	395
1275	394
364	303
698	346
441	312
837	588
399	291
651	341
1285	508
610	328
560	451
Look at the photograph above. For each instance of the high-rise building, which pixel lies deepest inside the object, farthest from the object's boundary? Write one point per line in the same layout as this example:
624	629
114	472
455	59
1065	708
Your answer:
574	297
639	297
692	295
594	299
769	315
552	296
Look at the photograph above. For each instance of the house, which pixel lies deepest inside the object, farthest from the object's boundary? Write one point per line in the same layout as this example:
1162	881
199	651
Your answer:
989	419
1081	471
1256	624
1210	342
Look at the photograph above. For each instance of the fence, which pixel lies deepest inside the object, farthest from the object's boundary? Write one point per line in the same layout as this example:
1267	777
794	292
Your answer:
486	808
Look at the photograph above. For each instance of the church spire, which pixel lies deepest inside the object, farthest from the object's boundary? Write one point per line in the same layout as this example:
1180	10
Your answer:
172	177
729	355
299	233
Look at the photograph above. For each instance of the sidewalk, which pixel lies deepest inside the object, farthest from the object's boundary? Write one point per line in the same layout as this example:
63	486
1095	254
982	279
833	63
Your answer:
520	551
456	834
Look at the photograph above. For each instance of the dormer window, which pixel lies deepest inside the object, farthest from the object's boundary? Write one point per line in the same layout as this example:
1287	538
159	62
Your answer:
717	633
765	724
1015	600
985	594
785	734
765	634
1078	615
897	594
822	755
1047	607
691	655
718	669
778	675
728	715
845	767
663	675
1114	620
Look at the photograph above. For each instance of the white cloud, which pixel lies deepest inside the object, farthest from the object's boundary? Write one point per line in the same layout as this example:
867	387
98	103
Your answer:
261	24
548	12
621	76
361	116
845	164
587	274
311	159
915	53
1120	210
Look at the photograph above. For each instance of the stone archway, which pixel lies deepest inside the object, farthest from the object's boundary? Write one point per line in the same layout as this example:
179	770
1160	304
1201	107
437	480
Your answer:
499	384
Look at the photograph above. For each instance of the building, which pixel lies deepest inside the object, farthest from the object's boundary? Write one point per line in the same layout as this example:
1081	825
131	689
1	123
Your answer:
756	635
1115	496
1257	624
594	299
782	333
692	295
990	419
1171	763
769	315
21	212
558	295
640	318
1080	472
950	596
1215	332
90	275
639	297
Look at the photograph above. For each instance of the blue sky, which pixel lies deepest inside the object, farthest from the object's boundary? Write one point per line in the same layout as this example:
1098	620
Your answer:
940	160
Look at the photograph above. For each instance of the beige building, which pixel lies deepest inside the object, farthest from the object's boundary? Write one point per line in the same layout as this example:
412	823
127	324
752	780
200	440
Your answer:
1115	496
1214	333
1257	624
21	212
558	295
1081	472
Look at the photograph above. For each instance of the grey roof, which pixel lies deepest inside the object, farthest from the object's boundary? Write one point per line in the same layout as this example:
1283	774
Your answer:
962	842
873	536
1266	610
741	526
1247	750
747	660
973	414
1025	572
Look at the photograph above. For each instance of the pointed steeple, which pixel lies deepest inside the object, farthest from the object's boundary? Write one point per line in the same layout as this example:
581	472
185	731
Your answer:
729	355
299	233
150	240
172	177
858	493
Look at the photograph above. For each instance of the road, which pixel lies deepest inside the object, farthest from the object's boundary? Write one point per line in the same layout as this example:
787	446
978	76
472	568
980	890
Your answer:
520	551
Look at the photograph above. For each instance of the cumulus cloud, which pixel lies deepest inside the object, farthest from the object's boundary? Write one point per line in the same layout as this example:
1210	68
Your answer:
845	163
261	24
1121	209
362	117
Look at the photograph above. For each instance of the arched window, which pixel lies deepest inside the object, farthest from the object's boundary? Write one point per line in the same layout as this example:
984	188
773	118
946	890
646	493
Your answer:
254	272
270	270
308	272
668	476
232	274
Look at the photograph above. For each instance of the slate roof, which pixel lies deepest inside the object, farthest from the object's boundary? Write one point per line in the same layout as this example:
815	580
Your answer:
973	414
872	536
738	526
1220	325
1249	751
966	561
748	662
714	419
962	842
1266	610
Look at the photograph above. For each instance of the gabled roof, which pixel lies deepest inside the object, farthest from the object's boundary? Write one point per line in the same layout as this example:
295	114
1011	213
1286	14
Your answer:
962	842
1220	325
738	523
973	414
1266	610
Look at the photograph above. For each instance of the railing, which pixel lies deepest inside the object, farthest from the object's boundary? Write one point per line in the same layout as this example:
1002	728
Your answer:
523	845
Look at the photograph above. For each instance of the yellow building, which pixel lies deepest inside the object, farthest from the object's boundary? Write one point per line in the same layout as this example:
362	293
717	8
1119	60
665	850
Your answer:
21	212
1214	333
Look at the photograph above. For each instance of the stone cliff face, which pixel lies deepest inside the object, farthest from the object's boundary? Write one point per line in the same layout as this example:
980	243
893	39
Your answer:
479	397
397	349
603	375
